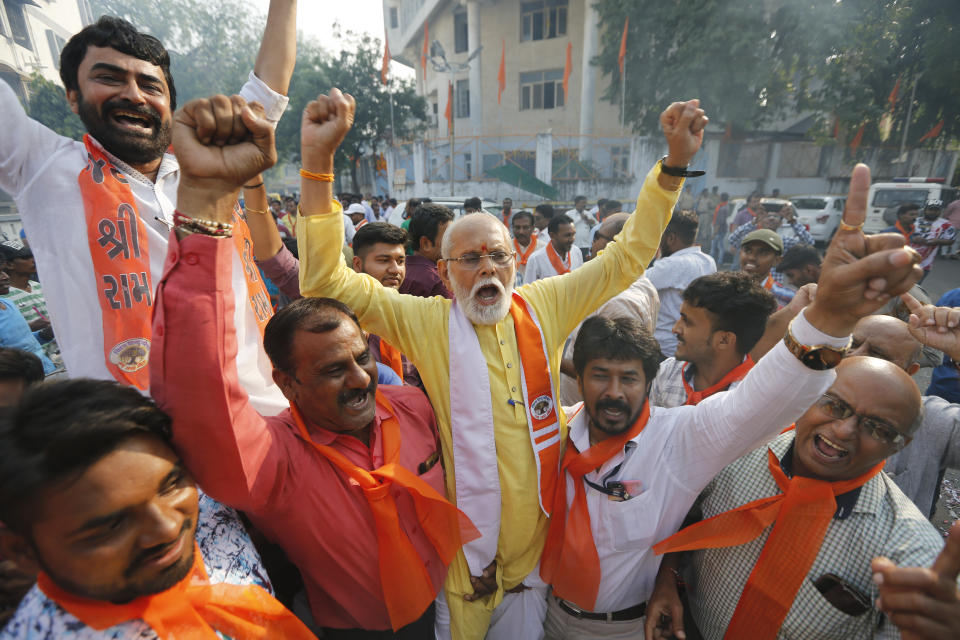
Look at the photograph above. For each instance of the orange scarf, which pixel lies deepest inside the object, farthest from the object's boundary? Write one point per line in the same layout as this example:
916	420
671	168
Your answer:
190	610
734	375
904	232
802	514
570	561
119	249
768	283
559	265
407	588
390	356
506	219
523	256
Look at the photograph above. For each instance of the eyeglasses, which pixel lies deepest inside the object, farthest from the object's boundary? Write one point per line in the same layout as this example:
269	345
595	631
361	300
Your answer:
472	260
876	429
602	237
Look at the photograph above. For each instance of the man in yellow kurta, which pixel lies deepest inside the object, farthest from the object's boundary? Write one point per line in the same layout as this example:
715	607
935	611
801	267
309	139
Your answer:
520	406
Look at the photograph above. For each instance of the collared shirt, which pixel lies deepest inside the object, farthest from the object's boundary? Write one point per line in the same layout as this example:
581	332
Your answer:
419	328
678	453
228	555
39	168
423	279
33	306
539	265
671	275
261	465
883	523
15	333
540	241
582	224
667	389
639	301
802	237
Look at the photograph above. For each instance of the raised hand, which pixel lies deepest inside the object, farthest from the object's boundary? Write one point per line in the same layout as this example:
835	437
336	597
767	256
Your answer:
923	603
325	123
683	124
937	327
222	142
860	273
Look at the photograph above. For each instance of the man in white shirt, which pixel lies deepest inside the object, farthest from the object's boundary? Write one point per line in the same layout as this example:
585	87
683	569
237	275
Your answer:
632	471
559	256
583	222
524	242
100	264
681	263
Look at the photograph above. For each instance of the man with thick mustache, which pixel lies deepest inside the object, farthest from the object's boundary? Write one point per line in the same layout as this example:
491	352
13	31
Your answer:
98	212
489	361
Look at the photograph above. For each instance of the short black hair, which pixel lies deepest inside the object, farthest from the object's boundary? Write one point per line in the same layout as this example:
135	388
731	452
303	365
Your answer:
473	203
684	224
374	232
60	429
554	225
17	364
799	256
115	33
522	214
622	338
724	196
737	303
426	222
905	208
577	199
611	206
316	315
546	210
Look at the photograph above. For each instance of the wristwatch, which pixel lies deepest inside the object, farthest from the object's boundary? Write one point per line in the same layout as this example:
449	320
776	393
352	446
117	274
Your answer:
678	172
819	357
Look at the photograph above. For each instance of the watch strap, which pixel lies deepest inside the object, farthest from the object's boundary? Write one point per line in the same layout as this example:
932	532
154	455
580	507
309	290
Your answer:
817	357
678	172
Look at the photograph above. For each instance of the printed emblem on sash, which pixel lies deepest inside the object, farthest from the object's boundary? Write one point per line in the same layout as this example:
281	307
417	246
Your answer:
542	407
131	355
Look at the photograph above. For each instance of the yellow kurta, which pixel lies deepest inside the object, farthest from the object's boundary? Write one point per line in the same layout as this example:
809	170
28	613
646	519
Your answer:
419	328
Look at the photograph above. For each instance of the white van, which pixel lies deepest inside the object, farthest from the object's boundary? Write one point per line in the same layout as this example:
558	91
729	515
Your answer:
885	197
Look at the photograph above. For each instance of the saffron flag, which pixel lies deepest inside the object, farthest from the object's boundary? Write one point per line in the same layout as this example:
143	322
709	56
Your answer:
567	68
623	45
892	98
502	73
857	139
448	113
386	60
426	45
933	133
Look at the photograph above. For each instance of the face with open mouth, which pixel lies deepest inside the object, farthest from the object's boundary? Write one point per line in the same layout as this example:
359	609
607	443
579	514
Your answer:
871	393
757	258
485	291
613	394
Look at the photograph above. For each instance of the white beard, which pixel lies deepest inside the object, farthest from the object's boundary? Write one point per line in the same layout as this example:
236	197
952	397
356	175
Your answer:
478	313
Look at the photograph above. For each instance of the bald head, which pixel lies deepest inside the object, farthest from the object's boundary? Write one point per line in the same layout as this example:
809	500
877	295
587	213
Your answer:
472	225
887	338
885	388
609	228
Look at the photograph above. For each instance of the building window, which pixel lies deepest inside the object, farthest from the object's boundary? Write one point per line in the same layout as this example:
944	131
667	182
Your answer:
56	46
436	114
620	161
394	18
462	99
543	19
541	89
18	23
460	44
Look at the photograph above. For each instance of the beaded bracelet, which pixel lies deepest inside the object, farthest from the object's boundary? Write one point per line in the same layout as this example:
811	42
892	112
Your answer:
319	177
199	225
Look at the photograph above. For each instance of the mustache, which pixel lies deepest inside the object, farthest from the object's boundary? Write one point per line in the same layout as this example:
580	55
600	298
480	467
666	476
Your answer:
356	394
153	552
614	405
140	109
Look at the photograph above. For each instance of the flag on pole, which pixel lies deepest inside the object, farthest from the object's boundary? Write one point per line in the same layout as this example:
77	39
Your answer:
502	73
448	113
567	69
386	59
623	45
857	139
892	98
933	133
426	45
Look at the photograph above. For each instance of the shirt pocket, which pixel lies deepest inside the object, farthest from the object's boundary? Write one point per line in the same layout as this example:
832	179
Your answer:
632	523
813	617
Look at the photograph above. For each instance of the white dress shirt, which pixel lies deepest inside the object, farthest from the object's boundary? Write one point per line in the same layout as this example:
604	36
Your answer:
671	275
582	223
39	169
539	266
679	452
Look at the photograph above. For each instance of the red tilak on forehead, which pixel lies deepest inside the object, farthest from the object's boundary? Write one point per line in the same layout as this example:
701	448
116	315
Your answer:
483	247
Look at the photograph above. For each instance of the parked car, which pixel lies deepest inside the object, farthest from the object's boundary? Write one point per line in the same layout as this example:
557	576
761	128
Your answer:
884	198
771	205
820	214
453	203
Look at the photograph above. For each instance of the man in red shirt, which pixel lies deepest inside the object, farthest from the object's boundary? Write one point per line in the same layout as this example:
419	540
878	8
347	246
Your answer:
347	479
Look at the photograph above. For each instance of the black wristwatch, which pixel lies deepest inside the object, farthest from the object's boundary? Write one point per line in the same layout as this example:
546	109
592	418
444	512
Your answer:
677	172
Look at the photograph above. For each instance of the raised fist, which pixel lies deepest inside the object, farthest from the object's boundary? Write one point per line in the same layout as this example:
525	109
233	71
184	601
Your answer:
683	124
325	123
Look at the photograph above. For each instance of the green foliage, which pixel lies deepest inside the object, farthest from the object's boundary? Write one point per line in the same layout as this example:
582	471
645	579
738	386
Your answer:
48	106
752	62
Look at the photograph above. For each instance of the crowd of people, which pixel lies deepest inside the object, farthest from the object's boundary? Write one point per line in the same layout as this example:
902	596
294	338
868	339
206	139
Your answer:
291	418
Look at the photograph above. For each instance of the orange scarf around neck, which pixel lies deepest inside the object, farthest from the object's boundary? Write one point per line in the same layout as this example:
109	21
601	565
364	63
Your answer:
407	588
734	375
523	256
570	562
391	356
904	232
800	515
560	266
190	610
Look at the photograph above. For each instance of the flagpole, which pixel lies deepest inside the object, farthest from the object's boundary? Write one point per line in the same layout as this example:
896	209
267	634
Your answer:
623	94
906	125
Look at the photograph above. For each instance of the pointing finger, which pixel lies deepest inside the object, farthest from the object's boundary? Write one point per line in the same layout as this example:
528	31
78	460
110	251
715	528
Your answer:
947	564
855	212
